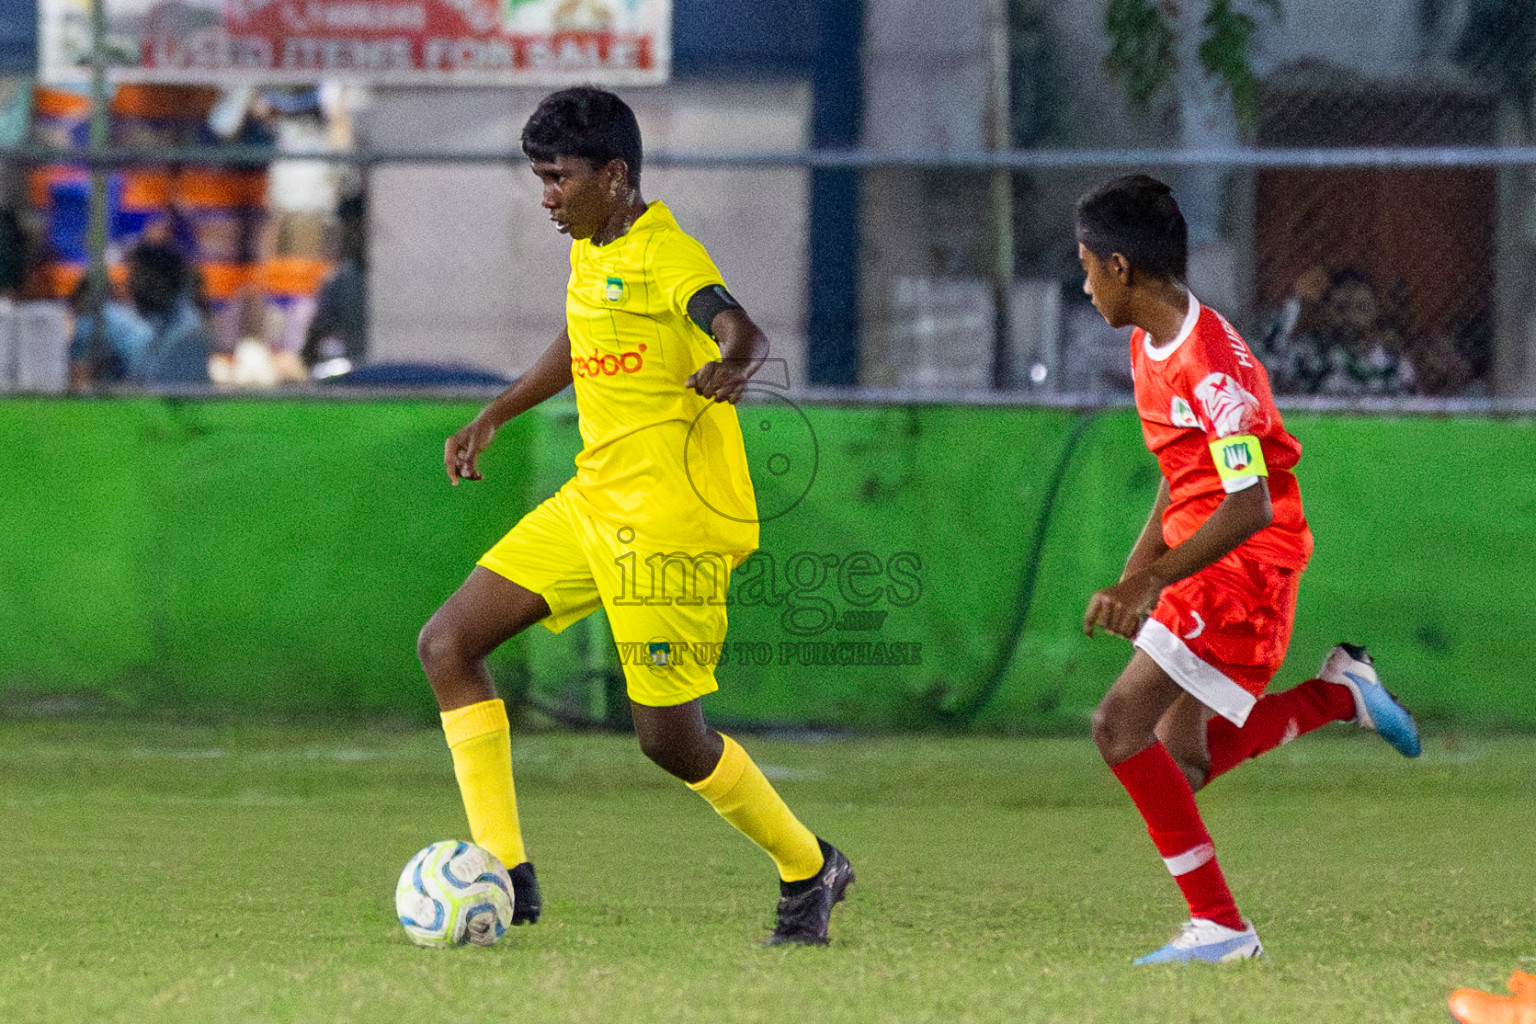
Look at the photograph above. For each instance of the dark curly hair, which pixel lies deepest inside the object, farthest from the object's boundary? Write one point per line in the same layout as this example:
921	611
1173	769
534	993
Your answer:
585	122
158	276
1137	217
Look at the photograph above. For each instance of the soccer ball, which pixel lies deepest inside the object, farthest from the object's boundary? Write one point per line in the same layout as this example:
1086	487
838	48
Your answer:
454	892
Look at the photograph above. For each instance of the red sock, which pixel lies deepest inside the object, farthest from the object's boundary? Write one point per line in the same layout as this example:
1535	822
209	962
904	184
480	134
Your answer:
1161	793
1276	719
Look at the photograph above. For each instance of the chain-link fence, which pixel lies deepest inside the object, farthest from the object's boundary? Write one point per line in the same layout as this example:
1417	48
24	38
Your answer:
1366	222
1349	280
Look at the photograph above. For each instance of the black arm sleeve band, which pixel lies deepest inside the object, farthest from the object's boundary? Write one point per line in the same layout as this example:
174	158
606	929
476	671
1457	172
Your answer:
708	303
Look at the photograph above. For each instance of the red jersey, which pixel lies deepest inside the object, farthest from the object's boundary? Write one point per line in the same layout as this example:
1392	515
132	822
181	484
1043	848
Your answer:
1208	415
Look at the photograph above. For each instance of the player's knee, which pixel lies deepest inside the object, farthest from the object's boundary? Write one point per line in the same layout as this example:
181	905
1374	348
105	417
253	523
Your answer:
1188	750
438	648
1115	741
1196	767
1102	730
663	750
683	753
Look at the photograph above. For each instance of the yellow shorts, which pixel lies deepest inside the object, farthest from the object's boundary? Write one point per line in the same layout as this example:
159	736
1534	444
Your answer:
666	607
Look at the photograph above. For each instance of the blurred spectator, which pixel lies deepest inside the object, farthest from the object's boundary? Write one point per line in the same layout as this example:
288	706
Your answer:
238	119
304	122
336	340
13	254
1456	360
157	337
1334	335
1292	347
1368	338
1440	366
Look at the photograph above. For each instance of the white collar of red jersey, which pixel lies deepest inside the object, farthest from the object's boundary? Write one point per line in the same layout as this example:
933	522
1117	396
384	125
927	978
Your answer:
1191	316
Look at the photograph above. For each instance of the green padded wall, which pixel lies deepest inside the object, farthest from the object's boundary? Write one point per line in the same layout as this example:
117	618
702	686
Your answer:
921	565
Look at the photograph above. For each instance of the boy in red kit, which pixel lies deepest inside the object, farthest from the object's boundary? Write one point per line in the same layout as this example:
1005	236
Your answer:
1209	590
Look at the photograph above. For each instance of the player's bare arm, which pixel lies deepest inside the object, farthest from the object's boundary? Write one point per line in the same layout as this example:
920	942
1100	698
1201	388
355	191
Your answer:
548	376
743	347
1122	608
1150	546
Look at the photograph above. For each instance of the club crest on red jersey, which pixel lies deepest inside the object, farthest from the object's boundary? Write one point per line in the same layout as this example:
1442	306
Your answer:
1182	413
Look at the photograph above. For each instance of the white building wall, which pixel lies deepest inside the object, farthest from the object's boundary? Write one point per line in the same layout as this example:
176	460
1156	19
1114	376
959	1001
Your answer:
927	74
466	268
1375	38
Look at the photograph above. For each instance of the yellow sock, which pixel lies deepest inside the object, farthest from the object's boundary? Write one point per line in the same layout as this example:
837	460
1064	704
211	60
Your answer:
481	741
738	790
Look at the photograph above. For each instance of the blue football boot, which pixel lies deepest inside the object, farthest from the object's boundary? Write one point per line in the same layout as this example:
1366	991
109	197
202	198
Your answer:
1375	708
1207	941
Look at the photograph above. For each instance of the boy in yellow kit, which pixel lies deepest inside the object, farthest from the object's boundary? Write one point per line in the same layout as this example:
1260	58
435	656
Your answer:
660	510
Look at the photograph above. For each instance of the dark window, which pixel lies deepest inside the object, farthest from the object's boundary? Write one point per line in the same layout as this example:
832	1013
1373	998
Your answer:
730	38
18	37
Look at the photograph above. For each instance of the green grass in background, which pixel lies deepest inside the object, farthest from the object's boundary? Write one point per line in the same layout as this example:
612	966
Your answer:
169	874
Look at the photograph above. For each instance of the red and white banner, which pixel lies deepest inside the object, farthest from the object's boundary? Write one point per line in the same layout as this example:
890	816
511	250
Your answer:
507	42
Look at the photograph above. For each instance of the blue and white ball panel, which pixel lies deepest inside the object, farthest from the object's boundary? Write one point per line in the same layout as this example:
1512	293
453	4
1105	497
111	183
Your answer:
454	892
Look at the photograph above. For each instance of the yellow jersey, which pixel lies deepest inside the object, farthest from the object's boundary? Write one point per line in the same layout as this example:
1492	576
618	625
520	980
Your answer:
656	457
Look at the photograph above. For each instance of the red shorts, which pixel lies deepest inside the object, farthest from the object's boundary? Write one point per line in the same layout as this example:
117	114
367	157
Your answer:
1222	633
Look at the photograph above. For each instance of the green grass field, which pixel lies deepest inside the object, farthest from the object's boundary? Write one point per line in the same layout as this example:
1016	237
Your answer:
158	873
